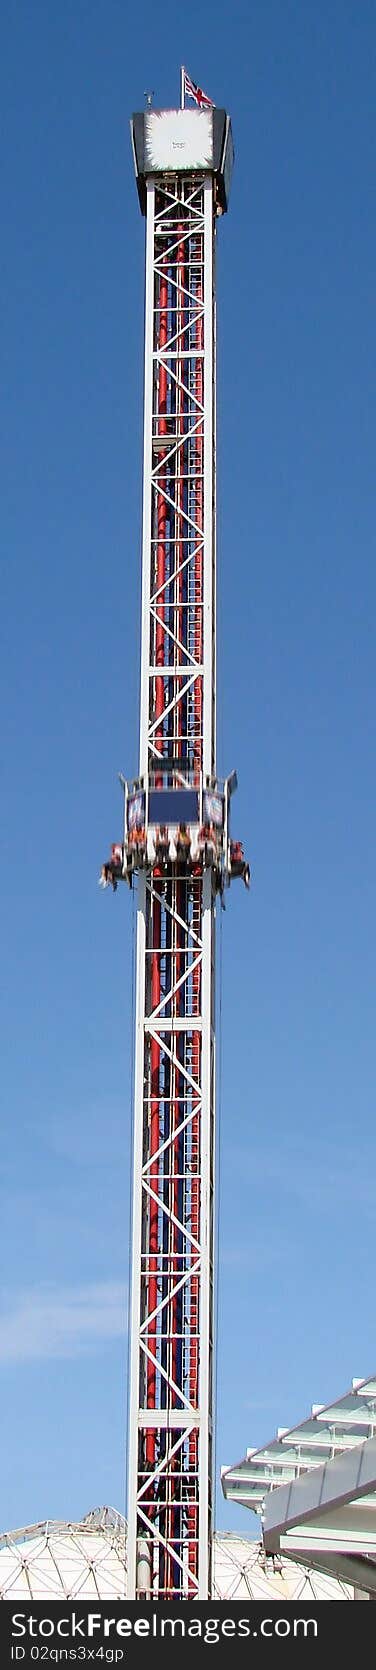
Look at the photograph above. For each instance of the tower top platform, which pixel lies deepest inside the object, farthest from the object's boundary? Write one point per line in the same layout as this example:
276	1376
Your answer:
178	141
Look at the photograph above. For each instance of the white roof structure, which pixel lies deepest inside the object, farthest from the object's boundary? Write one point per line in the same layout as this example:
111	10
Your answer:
55	1559
242	1570
314	1487
87	1561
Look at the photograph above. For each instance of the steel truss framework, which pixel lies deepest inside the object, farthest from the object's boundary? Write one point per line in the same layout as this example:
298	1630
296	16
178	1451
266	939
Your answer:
170	1434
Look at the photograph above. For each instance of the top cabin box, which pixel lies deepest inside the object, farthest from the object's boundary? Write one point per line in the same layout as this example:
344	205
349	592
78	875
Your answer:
178	141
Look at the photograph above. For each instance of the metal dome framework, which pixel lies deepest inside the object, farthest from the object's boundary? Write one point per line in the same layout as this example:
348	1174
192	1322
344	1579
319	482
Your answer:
87	1560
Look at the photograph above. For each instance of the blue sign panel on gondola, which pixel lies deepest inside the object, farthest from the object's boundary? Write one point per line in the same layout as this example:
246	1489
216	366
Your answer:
172	806
213	809
136	811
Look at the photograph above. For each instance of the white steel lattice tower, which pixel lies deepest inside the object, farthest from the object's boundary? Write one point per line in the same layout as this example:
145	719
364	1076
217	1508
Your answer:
177	844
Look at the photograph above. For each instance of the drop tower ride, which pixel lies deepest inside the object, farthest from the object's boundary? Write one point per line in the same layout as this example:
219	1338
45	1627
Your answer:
178	847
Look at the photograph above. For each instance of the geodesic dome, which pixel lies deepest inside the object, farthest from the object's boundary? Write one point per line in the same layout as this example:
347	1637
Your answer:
243	1571
88	1561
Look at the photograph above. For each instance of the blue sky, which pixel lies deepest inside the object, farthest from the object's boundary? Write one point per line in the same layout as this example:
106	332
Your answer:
297	594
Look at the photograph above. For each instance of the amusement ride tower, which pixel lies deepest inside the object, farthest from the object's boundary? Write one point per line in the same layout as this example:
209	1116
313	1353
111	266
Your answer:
177	846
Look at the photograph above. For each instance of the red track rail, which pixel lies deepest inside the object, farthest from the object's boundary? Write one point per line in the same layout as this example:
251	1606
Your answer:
156	959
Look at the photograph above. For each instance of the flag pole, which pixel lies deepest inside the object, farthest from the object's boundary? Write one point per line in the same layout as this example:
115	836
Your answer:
182	87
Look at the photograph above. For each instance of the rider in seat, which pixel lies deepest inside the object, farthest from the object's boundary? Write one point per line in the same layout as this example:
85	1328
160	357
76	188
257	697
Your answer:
238	865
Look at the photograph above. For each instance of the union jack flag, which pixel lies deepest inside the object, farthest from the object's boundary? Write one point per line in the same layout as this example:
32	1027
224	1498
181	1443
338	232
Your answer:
191	91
